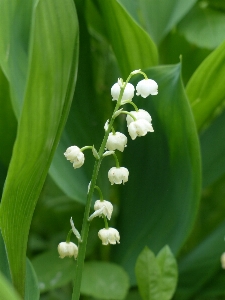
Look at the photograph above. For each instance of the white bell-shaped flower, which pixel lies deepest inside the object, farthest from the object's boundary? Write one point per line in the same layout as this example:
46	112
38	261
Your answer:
147	87
223	260
67	249
116	141
139	128
105	206
109	236
128	92
75	156
118	175
140	114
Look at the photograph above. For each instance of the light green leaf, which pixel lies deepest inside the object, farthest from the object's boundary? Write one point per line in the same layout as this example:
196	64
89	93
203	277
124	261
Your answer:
53	272
169	273
205	89
164	168
7	291
104	280
157	17
49	88
148	275
132	46
203	26
31	286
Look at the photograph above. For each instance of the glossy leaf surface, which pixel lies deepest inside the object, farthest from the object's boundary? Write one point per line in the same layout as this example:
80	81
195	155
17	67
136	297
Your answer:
47	97
164	176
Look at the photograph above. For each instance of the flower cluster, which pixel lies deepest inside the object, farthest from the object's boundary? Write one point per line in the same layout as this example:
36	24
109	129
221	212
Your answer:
139	123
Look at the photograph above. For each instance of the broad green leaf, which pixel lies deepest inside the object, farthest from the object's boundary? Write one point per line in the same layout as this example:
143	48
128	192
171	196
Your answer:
31	286
169	273
132	46
203	26
205	89
164	182
7	291
213	151
53	272
104	280
4	265
157	17
49	88
200	265
148	275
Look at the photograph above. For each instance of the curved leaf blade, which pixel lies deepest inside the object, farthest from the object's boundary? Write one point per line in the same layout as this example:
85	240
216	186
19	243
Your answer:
164	168
49	89
204	97
132	46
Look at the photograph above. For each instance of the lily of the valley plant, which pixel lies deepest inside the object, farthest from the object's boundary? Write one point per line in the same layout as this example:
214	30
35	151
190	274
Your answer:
139	123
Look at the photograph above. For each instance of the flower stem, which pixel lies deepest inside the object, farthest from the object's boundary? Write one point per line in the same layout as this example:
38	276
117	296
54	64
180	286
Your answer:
86	223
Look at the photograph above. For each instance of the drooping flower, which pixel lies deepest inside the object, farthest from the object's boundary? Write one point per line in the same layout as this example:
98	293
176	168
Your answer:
109	236
128	92
140	114
118	175
75	156
116	141
139	128
67	249
105	206
147	87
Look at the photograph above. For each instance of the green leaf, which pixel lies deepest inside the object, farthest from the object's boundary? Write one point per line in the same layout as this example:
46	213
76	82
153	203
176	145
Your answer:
199	266
203	26
164	182
169	273
48	94
204	97
148	275
53	272
132	46
7	291
104	280
31	287
158	17
213	151
4	265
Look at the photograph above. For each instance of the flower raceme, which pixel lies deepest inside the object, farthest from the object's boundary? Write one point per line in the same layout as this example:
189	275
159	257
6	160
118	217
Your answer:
118	175
67	249
75	156
109	236
116	141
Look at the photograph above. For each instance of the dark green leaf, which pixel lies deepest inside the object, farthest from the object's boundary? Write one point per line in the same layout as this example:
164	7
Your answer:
205	89
104	280
160	200
49	88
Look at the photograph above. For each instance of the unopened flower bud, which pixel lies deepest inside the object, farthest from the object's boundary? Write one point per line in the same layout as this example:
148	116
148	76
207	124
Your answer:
118	175
128	93
116	141
67	249
75	156
222	259
139	128
109	236
107	208
147	87
140	114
